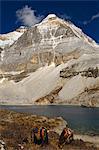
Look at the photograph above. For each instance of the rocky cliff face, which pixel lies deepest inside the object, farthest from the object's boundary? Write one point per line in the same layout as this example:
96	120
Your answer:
52	40
50	63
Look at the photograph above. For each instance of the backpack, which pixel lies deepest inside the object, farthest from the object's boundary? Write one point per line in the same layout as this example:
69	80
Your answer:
35	136
44	135
66	136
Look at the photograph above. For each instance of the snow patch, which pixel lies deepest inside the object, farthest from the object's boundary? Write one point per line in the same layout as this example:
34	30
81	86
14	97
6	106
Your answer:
9	38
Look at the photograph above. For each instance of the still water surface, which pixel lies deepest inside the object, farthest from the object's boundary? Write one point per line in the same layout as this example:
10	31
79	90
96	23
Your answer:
79	119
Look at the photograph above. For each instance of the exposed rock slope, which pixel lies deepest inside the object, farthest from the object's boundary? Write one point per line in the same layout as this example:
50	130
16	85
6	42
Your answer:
51	40
53	56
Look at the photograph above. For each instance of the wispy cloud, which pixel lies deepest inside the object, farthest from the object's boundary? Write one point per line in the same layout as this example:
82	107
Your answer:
65	16
27	16
92	18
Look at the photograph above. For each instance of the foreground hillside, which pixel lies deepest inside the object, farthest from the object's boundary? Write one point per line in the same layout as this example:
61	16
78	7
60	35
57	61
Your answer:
15	127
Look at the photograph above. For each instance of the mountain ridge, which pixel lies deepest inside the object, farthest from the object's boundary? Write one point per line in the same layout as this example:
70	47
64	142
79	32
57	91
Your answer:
52	35
50	17
30	70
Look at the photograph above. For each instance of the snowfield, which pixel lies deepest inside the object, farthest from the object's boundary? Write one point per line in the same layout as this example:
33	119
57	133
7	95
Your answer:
9	38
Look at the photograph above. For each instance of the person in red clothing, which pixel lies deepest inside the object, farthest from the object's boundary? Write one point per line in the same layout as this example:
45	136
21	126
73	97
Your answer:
65	137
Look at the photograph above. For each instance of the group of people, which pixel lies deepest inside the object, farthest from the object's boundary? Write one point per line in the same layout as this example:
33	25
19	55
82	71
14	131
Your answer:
40	136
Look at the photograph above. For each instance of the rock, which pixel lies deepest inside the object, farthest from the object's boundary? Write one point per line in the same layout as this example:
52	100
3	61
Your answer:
2	145
69	72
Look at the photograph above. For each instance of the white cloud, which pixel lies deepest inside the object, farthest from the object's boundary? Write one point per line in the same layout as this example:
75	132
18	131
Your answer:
64	16
95	16
92	18
27	16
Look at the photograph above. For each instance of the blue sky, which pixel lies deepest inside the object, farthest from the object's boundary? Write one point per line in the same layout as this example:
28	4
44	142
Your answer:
84	14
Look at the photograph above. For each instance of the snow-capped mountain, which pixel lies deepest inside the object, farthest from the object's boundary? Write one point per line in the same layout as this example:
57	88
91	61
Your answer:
75	31
9	38
52	37
51	62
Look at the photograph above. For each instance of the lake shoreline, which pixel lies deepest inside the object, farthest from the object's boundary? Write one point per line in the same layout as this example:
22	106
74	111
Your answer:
81	119
21	124
67	104
88	138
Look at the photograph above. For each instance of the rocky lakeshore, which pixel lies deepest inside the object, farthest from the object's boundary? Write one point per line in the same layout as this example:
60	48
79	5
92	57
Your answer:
16	127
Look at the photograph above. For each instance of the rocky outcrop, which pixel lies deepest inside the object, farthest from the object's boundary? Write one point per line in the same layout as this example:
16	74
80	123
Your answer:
88	98
1	50
2	145
50	98
90	72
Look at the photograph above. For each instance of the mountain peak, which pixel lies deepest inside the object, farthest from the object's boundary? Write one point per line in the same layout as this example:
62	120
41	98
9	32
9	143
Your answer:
21	29
50	17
